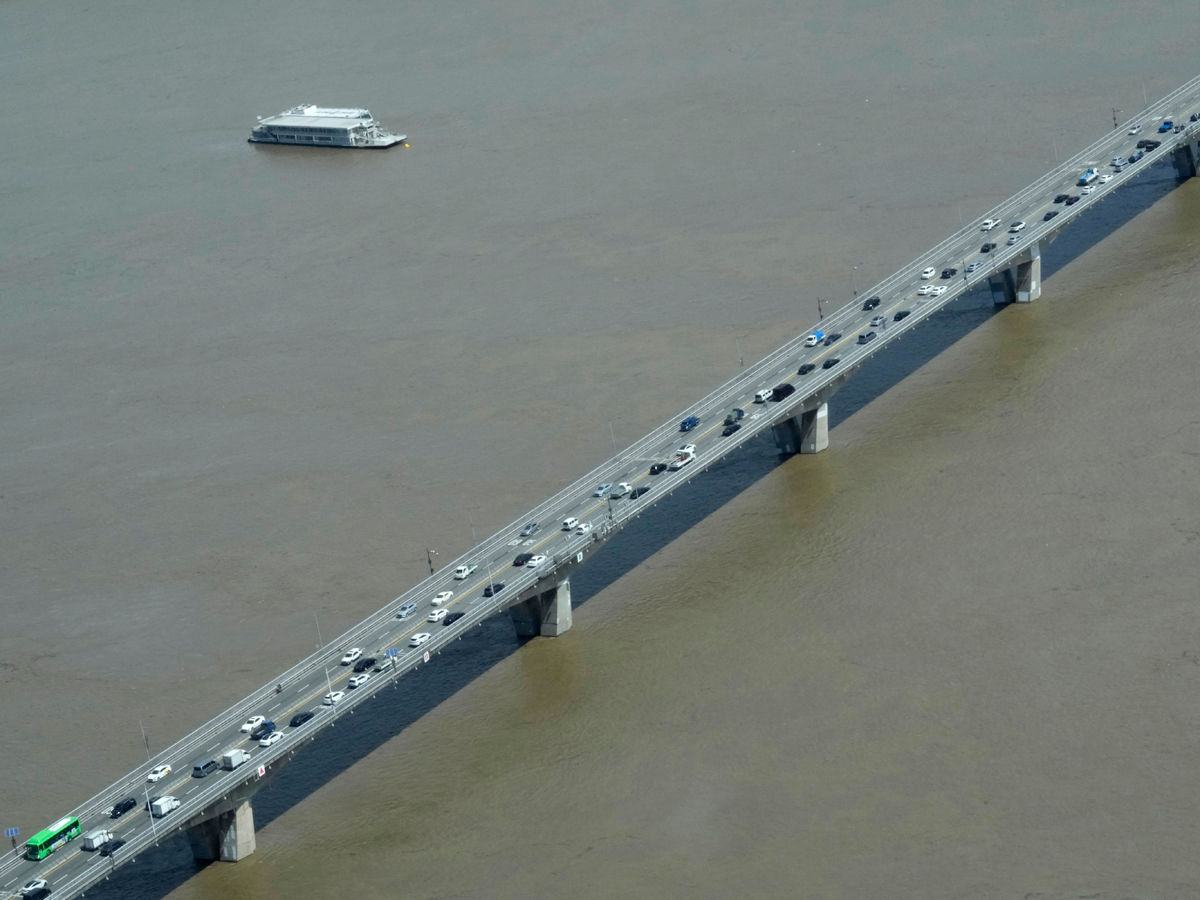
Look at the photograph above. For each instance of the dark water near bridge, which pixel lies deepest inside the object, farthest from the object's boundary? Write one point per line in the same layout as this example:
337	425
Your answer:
953	656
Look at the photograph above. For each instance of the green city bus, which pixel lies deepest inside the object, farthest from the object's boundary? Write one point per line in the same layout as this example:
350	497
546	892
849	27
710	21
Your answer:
50	839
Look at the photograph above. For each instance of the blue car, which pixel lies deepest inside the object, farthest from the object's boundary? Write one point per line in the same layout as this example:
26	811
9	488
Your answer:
689	423
1166	126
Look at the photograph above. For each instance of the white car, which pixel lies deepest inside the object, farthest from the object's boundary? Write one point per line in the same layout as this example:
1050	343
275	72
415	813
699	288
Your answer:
439	599
584	528
989	224
1105	178
1118	161
621	490
687	448
438	614
1012	239
1016	226
569	523
252	723
273	738
361	678
602	489
1088	189
1135	129
158	773
973	267
419	638
32	888
464	571
534	561
333	698
928	273
939	289
351	655
925	290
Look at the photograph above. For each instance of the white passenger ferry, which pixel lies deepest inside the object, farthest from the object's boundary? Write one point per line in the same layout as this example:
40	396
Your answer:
317	126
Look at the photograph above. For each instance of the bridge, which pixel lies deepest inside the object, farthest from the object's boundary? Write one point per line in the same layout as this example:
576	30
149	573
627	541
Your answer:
794	386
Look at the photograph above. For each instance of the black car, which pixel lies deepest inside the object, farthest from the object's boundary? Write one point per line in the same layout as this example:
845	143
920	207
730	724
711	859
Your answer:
522	558
637	492
1194	117
1150	145
782	390
949	272
866	337
452	618
836	336
830	363
658	468
493	589
900	315
1071	201
300	718
1141	144
987	248
108	848
731	429
1061	198
1050	215
805	368
262	730
365	663
871	304
122	807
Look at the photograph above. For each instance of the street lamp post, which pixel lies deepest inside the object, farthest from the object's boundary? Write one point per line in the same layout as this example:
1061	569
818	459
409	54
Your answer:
1115	111
854	279
820	315
429	555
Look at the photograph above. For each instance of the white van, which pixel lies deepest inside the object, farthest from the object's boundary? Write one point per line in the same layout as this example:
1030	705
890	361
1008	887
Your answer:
570	524
763	396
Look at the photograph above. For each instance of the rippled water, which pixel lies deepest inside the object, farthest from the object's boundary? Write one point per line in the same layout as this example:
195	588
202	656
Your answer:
952	656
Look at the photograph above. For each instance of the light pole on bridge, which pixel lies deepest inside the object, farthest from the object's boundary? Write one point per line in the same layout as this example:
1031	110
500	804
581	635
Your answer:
429	555
820	315
1115	111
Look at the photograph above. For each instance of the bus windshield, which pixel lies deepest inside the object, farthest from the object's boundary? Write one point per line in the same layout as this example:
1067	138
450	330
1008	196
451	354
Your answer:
50	839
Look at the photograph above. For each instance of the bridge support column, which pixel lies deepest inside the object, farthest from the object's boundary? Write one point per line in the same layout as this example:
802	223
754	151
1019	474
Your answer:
545	614
227	836
805	432
1187	158
1021	283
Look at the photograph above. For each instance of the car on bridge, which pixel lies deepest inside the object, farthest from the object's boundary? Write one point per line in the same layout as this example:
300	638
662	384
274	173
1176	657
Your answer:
735	415
121	807
866	337
902	314
158	773
1016	226
419	638
974	266
987	248
939	289
522	558
251	723
871	304
452	618
878	321
813	339
689	423
602	489
276	736
333	697
805	368
830	363
656	469
365	663
1012	239
582	529
731	428
437	615
262	731
1104	179
928	273
365	676
1071	201
300	718
497	586
1050	215
620	490
1135	129
535	561
108	848
442	597
464	571
639	491
782	390
762	396
569	523
1166	126
831	339
989	224
38	887
1061	198
406	610
949	272
351	655
1136	155
925	290
530	529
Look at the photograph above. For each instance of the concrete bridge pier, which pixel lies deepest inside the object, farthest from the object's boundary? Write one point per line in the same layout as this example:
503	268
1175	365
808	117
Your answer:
1020	283
805	432
546	613
1187	157
227	836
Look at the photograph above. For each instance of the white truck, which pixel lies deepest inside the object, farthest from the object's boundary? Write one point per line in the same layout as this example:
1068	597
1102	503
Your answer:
233	758
93	839
160	806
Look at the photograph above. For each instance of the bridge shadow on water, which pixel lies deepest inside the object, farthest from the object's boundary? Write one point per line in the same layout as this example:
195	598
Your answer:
155	874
